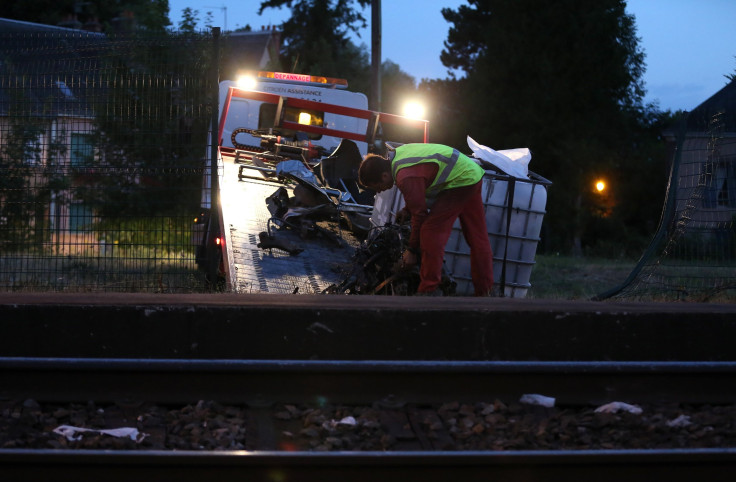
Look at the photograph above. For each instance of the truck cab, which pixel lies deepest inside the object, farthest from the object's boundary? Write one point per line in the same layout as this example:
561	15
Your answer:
255	113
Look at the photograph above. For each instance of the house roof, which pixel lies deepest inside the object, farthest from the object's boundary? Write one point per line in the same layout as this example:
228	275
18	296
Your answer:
44	69
49	71
19	26
723	101
249	50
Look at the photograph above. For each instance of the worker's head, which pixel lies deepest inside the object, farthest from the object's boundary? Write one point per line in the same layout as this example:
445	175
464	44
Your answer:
375	173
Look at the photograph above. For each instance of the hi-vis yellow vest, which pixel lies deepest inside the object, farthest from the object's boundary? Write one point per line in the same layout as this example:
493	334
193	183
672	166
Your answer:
455	169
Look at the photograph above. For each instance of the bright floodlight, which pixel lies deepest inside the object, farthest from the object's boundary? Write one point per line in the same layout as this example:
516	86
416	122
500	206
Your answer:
413	109
600	186
246	82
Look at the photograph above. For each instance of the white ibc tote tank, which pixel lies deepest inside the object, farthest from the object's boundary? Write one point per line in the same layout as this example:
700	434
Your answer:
514	210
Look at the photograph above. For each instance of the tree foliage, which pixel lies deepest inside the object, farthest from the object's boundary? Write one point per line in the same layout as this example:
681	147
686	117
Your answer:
396	85
29	177
563	78
315	39
150	15
151	128
189	20
731	77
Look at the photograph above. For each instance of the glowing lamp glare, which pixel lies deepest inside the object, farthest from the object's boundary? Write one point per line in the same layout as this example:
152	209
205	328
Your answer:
247	82
415	110
305	118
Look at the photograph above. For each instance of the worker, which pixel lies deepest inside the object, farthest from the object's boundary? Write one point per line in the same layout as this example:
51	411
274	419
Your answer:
439	185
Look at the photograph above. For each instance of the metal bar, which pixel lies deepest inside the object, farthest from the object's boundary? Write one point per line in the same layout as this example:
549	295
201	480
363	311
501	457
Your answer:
255	95
225	110
256	168
185	466
324	131
284	381
331	108
214	252
400	119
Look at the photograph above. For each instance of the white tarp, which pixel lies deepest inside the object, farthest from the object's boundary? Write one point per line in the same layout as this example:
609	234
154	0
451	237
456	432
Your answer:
514	162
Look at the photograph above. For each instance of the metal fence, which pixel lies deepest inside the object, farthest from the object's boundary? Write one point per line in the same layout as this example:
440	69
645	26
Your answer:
692	257
102	141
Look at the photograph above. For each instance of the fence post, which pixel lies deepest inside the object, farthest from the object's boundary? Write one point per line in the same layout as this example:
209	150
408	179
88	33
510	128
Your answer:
214	251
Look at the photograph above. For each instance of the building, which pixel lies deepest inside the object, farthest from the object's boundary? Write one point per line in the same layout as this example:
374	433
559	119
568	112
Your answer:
706	174
46	122
250	50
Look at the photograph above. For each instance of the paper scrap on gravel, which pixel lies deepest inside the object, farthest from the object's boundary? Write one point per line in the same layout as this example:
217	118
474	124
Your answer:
75	433
536	399
679	422
614	407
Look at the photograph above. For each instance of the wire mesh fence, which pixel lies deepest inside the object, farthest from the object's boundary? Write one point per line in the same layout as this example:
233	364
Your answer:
102	172
693	254
102	140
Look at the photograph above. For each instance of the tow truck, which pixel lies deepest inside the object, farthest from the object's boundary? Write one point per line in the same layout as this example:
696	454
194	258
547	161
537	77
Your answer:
288	214
289	217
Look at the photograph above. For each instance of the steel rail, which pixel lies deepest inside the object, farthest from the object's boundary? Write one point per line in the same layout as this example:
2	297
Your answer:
304	381
184	466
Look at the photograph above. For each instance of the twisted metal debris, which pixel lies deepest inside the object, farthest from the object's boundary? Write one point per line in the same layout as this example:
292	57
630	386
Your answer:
376	267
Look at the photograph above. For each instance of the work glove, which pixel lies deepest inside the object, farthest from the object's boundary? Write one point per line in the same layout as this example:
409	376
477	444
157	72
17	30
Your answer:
403	216
408	260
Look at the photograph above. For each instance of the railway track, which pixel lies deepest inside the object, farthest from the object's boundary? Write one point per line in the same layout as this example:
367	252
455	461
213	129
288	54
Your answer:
400	391
74	352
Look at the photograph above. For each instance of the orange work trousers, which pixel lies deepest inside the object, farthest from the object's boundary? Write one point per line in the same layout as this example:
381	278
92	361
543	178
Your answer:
465	203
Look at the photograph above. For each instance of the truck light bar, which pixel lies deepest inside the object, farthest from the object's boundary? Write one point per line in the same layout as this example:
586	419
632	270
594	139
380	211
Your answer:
288	77
294	102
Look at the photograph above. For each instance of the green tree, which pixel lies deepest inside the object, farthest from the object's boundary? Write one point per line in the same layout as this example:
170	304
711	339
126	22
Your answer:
563	78
189	20
30	176
731	77
315	39
151	129
397	86
445	101
149	15
19	156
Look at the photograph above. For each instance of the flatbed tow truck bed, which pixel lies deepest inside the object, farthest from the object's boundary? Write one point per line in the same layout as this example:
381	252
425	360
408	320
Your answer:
251	269
276	104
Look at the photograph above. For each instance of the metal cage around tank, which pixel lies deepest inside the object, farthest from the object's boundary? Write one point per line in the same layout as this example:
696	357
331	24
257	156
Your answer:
515	209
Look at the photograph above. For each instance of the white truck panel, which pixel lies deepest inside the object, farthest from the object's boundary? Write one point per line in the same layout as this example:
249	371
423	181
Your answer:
244	112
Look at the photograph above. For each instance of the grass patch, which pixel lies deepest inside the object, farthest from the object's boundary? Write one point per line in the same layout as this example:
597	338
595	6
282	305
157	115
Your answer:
576	278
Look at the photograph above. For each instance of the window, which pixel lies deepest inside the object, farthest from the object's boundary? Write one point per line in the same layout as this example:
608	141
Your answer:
32	150
65	89
80	218
267	116
721	190
82	150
